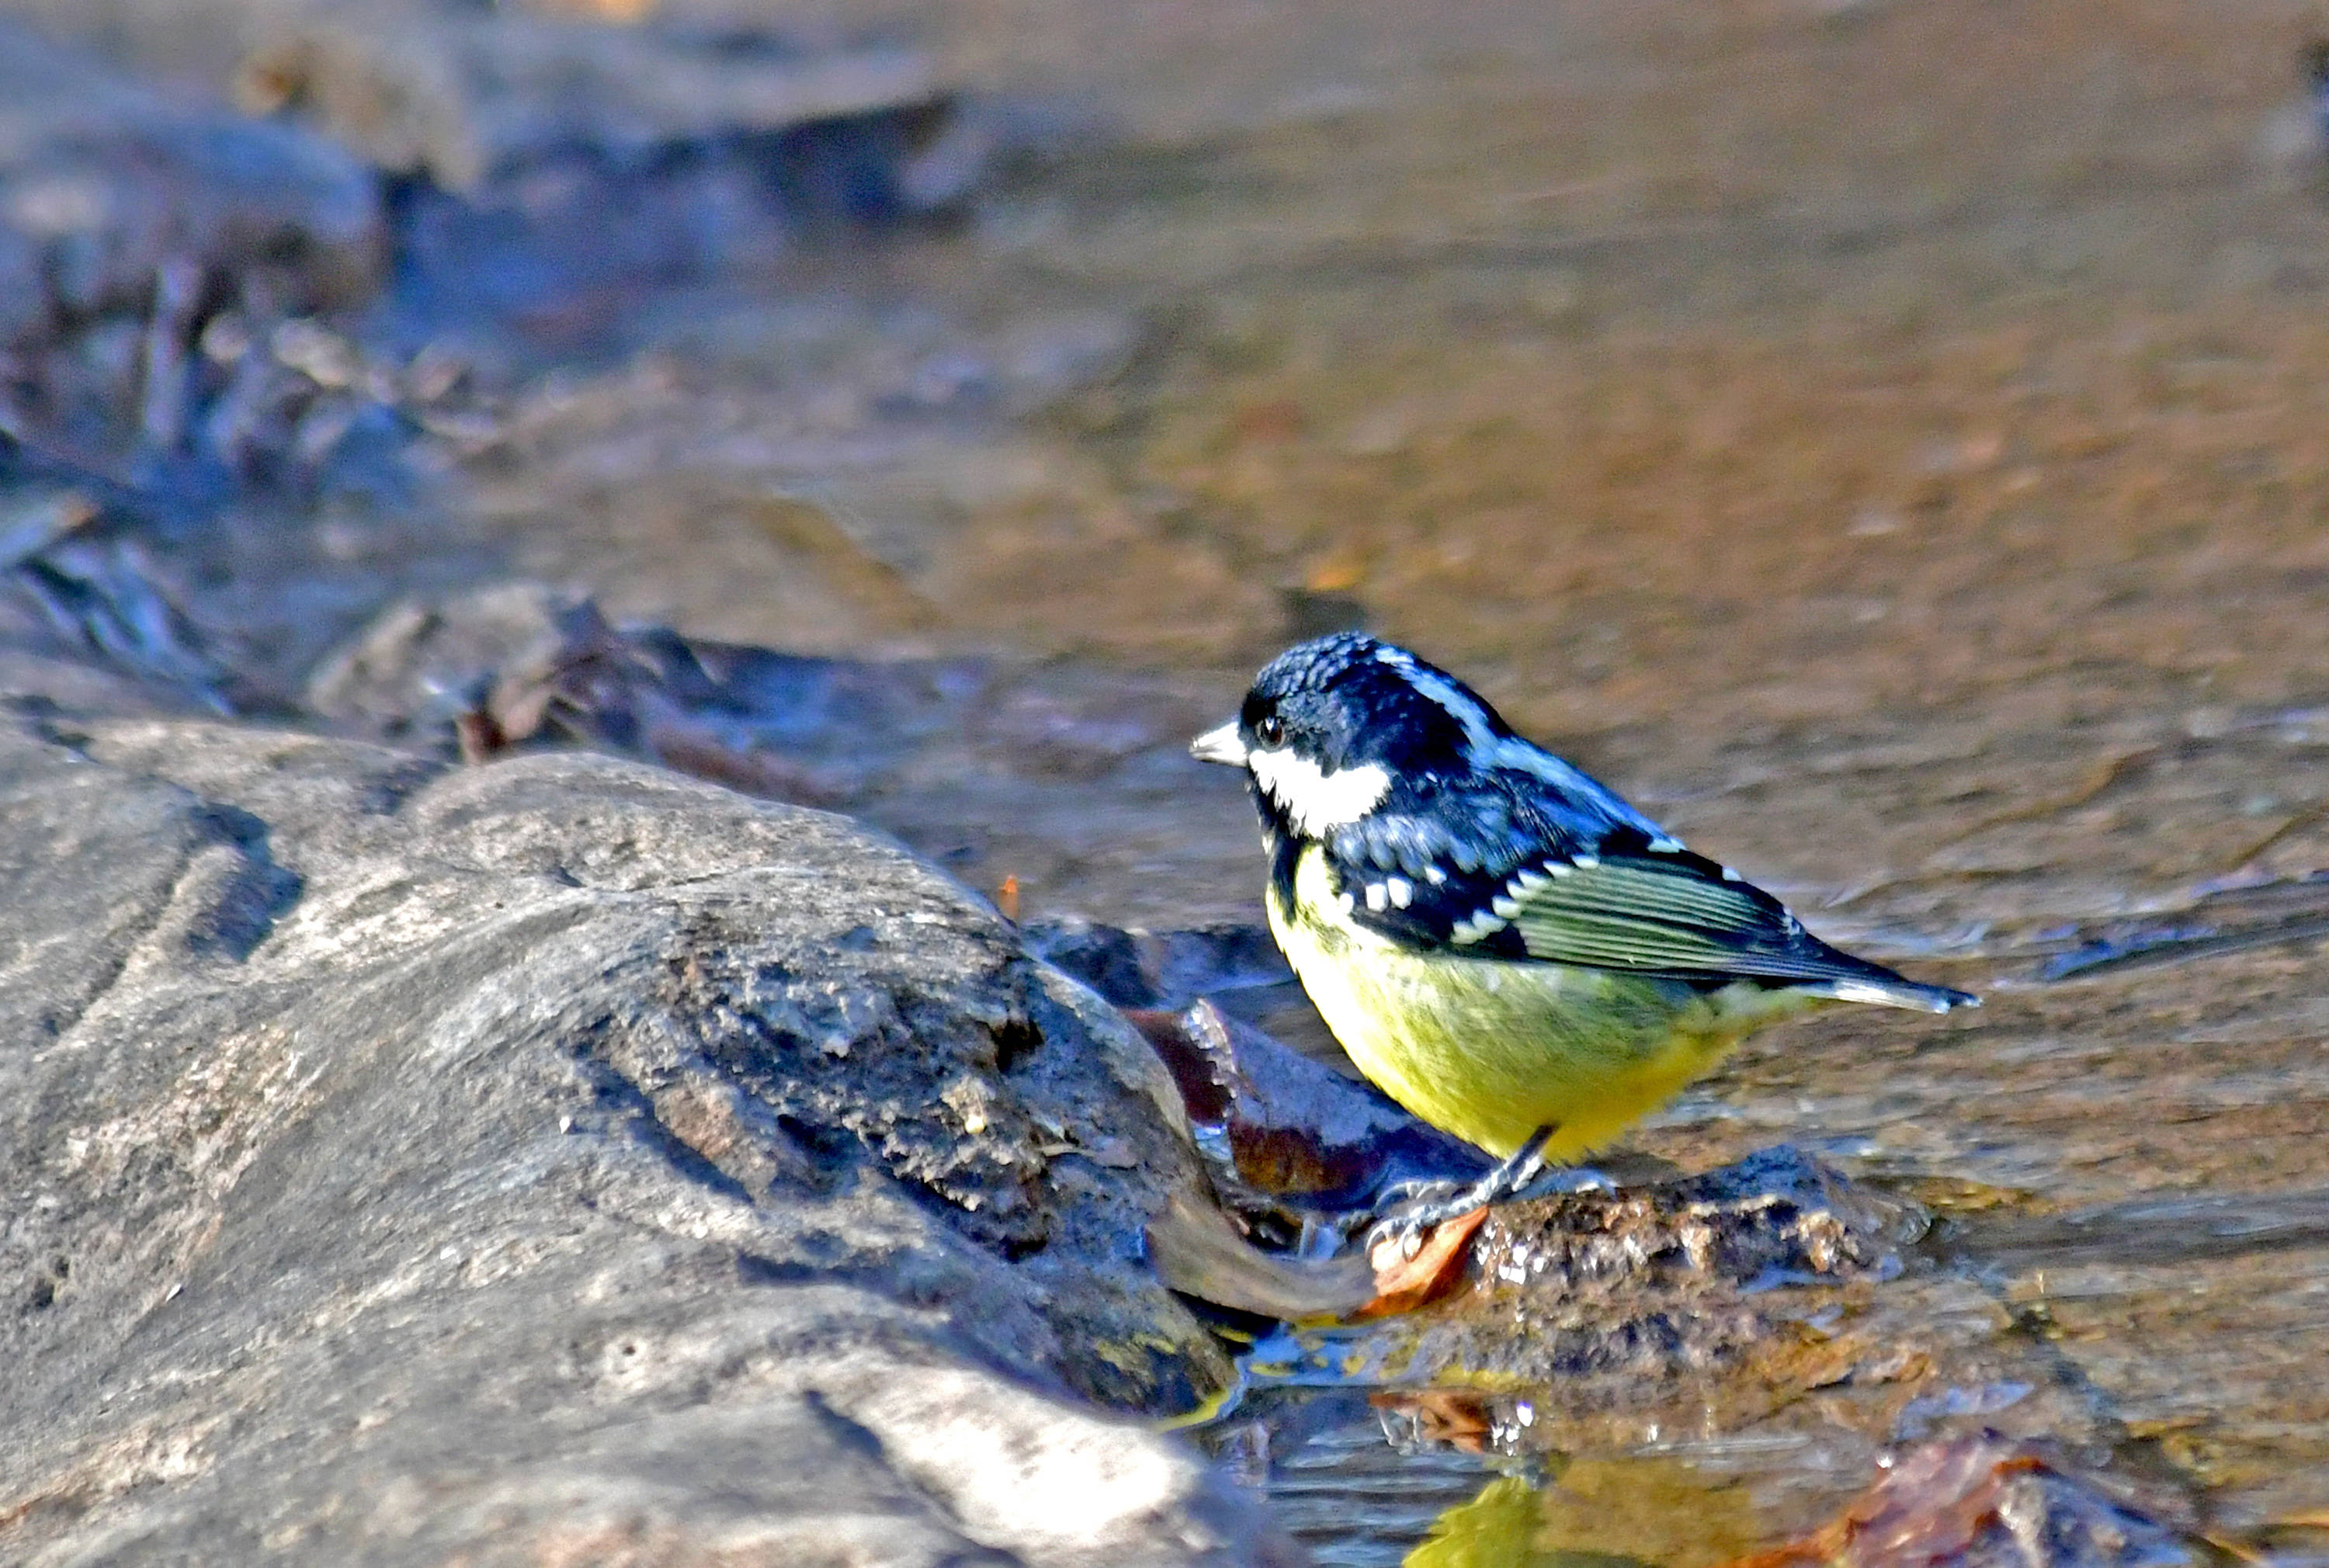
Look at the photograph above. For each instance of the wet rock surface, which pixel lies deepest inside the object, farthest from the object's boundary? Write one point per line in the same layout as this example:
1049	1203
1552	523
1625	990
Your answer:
1984	1500
466	96
1626	1296
557	1159
148	247
1055	775
269	366
1296	1136
1632	1361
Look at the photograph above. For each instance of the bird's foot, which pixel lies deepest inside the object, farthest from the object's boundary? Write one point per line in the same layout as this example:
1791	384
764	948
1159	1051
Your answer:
1420	1190
1408	1211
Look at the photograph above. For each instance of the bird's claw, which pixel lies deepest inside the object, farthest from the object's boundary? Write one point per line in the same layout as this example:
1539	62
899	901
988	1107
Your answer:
1418	1189
1410	1210
1559	1181
1405	1225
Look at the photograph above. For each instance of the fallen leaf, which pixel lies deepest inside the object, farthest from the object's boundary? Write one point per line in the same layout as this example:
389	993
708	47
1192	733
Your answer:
1934	1505
1456	1418
478	736
1404	1283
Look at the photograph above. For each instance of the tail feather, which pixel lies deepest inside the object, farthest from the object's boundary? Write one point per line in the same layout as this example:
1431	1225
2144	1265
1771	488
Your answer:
1894	991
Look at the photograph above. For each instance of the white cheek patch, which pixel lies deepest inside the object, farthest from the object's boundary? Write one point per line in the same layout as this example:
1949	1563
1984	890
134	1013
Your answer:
1314	801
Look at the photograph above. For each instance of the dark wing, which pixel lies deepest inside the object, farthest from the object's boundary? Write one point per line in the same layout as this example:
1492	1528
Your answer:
1511	883
1423	869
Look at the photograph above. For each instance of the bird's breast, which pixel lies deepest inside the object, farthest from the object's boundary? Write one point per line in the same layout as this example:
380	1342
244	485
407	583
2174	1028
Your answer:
1487	1048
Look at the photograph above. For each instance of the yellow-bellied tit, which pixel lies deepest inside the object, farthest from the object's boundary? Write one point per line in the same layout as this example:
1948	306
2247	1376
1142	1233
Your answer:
1501	943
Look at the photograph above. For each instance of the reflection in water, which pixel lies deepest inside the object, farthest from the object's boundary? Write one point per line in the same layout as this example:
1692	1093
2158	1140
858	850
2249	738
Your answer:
1595	1514
1500	1530
1355	1479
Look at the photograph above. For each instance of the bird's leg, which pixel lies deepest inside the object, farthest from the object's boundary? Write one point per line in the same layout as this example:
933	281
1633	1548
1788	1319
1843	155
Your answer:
1414	1207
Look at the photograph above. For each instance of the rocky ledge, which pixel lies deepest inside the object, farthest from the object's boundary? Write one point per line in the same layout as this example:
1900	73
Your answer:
556	1160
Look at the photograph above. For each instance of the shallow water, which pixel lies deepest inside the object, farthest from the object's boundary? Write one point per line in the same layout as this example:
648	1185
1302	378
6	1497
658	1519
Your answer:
1892	453
1885	439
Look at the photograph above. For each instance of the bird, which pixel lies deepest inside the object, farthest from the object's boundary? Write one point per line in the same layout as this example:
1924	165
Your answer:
1499	941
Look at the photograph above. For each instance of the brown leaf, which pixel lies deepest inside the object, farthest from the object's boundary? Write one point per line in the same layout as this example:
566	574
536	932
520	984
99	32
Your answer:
1934	1506
1403	1284
1456	1418
478	736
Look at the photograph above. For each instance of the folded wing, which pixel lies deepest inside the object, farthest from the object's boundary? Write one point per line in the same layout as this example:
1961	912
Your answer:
1622	905
1679	915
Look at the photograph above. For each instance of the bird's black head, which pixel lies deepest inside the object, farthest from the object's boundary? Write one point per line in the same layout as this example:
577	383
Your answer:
1332	725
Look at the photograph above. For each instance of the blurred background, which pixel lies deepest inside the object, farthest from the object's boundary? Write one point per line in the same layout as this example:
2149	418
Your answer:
1888	439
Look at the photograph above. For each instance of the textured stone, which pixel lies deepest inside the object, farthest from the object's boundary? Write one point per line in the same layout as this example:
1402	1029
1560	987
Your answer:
556	1161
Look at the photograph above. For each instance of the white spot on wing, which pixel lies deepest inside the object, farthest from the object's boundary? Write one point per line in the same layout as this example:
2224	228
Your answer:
1506	907
1477	928
1434	875
1313	799
1378	896
1400	891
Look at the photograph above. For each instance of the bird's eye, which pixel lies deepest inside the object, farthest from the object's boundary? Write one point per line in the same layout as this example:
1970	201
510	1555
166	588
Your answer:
1270	730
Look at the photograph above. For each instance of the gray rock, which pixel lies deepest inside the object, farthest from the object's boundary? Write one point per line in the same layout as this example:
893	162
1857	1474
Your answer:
465	92
465	95
103	182
556	1161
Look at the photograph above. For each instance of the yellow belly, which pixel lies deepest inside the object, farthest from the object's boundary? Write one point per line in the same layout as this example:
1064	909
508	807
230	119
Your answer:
1492	1050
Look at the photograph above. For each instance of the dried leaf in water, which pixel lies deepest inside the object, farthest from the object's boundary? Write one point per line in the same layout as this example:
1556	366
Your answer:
479	737
1404	1281
1983	1502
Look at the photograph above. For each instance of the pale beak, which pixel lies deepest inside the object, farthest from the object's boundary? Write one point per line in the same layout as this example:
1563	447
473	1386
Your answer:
1221	746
